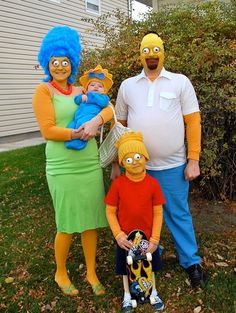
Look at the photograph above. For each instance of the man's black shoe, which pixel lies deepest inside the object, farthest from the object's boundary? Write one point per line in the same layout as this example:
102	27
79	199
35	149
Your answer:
196	275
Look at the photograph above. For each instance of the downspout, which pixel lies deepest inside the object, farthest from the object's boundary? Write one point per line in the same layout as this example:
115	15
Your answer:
155	5
129	5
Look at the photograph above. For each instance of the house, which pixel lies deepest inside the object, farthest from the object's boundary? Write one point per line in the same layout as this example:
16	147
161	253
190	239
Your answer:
158	5
23	24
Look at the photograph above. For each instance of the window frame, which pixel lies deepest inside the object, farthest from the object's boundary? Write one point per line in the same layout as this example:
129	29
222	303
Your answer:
91	10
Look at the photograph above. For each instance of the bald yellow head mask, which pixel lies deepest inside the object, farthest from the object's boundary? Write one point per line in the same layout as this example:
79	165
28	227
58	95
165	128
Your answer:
152	53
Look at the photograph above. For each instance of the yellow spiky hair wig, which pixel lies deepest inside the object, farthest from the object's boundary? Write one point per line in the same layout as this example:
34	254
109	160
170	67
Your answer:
98	74
131	142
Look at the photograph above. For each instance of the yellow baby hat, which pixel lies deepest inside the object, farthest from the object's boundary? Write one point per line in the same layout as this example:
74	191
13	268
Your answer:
98	74
131	142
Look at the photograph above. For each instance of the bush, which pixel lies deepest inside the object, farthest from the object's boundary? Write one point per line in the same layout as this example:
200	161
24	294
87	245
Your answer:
200	43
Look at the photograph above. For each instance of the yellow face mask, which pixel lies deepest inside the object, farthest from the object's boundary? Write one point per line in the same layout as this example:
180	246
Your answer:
152	53
134	163
60	68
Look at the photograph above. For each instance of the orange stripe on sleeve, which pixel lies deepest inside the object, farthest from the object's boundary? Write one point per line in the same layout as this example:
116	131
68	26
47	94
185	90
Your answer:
111	213
157	224
106	114
44	111
193	134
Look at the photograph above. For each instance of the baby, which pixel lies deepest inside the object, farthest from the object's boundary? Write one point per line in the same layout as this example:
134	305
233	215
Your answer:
96	82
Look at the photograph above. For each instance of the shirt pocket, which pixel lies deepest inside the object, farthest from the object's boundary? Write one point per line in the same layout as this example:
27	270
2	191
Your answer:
168	101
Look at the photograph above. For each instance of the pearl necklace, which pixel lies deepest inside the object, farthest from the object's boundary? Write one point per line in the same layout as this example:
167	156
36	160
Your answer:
64	92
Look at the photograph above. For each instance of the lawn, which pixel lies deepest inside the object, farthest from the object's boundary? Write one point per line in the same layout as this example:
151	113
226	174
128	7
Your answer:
27	259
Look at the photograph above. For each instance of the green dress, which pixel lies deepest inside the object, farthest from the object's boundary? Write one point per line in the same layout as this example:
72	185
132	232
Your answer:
74	178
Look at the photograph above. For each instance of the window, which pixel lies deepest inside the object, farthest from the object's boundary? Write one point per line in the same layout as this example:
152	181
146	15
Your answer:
93	6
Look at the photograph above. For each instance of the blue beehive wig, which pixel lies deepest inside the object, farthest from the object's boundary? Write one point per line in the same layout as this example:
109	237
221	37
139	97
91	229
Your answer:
60	41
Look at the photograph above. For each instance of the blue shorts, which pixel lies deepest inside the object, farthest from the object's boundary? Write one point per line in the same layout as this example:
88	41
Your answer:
121	261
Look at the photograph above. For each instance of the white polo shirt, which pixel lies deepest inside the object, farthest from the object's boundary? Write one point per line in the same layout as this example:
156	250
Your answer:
156	109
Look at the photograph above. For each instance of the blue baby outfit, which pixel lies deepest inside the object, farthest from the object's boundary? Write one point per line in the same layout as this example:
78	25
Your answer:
85	112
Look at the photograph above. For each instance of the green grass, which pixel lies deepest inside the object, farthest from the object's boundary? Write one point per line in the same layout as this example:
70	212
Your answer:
27	235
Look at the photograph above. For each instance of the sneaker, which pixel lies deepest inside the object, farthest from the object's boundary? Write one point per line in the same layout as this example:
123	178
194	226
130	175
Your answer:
157	303
127	306
196	275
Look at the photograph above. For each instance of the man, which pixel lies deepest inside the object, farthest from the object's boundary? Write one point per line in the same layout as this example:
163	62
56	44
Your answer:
160	104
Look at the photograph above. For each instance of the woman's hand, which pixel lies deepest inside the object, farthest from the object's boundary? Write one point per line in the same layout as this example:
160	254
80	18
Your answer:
75	134
89	129
123	242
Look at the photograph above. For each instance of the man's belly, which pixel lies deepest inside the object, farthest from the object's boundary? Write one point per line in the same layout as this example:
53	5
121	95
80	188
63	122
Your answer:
164	139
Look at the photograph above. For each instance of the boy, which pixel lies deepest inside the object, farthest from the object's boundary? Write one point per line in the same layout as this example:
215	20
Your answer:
134	201
96	82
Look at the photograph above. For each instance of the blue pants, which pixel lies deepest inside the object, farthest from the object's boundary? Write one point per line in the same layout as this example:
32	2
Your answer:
176	213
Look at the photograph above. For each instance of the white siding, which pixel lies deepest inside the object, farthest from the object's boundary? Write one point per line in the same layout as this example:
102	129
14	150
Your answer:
23	24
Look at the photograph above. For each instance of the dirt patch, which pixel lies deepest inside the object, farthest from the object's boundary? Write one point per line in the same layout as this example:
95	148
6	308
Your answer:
213	216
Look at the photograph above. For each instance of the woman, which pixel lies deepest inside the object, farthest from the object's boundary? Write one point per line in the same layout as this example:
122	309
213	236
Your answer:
74	177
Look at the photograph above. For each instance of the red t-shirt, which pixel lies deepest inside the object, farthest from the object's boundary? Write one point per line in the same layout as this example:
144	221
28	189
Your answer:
135	201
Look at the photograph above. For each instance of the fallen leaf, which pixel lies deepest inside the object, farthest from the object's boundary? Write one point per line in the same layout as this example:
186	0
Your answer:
53	304
187	282
9	280
220	257
81	266
222	264
48	307
200	301
208	263
197	309
168	275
